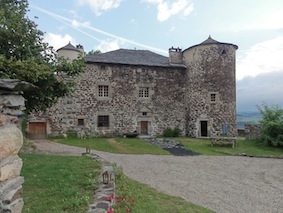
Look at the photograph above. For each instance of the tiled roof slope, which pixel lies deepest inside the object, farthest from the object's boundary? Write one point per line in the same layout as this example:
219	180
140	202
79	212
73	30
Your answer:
131	57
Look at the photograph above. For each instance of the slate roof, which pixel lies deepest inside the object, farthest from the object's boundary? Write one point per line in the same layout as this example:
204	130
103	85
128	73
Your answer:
69	47
209	40
131	57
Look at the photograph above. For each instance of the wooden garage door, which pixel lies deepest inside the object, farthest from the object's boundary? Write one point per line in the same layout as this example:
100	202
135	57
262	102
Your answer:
37	130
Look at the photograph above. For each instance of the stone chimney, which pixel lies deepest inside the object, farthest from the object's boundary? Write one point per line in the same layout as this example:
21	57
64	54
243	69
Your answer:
81	49
11	140
175	56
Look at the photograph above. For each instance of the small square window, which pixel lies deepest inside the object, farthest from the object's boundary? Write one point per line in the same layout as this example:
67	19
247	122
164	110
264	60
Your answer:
144	92
213	97
81	122
103	91
103	121
144	113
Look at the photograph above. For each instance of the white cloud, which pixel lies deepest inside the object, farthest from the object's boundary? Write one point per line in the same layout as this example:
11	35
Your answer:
264	57
100	6
168	8
57	41
268	21
109	45
76	23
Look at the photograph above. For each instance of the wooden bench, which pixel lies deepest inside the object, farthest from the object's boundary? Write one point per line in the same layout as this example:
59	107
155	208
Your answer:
223	140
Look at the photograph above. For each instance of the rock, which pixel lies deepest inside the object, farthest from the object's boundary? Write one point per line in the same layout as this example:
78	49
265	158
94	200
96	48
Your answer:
16	85
9	185
10	167
11	141
12	100
15	207
13	195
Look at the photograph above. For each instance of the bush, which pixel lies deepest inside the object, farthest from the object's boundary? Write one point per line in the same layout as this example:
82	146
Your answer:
272	125
168	132
71	134
176	132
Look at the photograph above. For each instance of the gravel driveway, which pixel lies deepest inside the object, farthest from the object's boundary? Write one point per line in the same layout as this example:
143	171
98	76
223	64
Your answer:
223	184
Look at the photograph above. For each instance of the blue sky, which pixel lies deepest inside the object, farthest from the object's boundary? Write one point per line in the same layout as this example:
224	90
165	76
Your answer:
256	26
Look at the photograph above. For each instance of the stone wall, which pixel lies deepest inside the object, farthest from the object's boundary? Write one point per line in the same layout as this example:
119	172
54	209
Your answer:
252	131
163	108
11	140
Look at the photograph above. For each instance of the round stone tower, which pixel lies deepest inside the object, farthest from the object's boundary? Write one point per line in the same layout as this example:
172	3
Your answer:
70	52
211	89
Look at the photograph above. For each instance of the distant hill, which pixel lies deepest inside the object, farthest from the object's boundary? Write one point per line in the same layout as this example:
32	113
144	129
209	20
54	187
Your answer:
247	118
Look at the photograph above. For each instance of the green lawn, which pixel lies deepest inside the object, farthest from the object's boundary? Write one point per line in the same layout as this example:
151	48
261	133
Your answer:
202	146
249	147
117	145
55	184
132	196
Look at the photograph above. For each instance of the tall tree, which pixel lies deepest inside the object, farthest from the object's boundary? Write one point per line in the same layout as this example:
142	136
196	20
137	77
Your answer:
24	56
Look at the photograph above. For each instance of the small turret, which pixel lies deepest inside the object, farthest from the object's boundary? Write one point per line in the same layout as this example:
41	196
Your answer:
175	55
70	52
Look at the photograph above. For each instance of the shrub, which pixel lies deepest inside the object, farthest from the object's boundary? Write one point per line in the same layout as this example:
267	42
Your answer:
169	132
272	125
71	134
176	132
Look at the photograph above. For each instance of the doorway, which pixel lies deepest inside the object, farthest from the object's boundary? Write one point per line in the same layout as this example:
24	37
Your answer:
37	130
203	129
144	127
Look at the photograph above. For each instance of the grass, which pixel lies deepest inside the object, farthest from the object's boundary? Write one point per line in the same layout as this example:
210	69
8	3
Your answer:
65	184
117	145
202	146
249	147
58	183
132	196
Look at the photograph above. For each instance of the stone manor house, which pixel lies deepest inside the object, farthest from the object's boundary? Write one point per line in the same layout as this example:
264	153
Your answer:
128	90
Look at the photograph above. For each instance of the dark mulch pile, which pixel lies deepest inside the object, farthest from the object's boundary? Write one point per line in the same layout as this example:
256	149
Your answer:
181	152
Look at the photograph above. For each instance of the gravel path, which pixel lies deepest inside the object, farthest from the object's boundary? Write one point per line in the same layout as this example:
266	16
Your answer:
223	184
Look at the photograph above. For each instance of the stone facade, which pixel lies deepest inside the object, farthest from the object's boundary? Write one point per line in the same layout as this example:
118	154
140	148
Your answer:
126	91
11	140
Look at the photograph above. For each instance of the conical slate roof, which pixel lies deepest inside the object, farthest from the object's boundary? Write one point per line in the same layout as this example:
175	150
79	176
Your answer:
69	47
210	40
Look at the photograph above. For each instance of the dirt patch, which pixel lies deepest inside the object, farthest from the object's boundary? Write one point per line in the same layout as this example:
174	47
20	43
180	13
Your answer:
119	147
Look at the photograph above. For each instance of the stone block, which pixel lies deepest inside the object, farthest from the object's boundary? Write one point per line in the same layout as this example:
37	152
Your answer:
4	120
15	207
13	195
9	185
10	167
11	141
12	100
